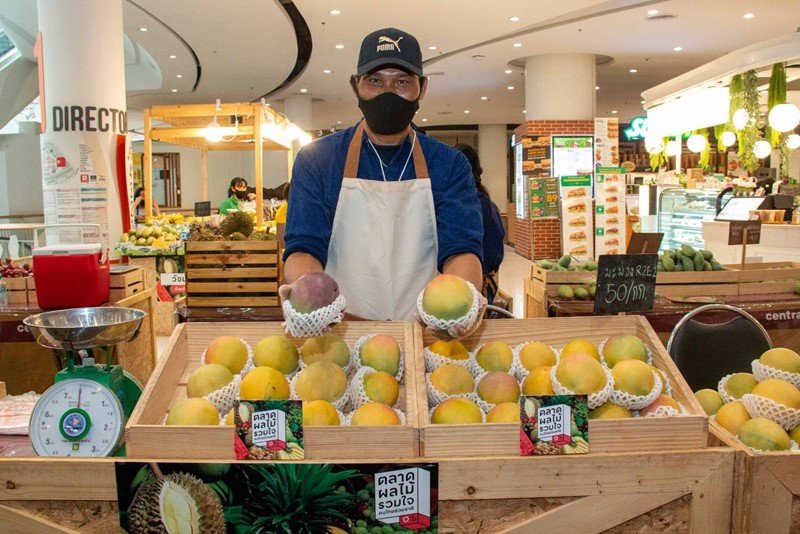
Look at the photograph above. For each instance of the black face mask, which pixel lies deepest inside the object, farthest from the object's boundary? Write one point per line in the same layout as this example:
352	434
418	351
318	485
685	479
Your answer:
388	113
241	195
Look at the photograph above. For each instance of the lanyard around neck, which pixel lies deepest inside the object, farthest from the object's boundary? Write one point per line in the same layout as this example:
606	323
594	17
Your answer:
380	161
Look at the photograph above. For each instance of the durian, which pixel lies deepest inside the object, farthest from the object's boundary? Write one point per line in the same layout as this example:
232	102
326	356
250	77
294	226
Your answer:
237	236
178	504
260	235
236	221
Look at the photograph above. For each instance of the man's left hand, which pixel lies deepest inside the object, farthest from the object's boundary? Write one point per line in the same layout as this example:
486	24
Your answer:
459	331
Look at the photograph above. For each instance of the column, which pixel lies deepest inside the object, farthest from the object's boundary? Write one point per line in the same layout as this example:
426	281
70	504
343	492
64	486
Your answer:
560	87
493	153
84	116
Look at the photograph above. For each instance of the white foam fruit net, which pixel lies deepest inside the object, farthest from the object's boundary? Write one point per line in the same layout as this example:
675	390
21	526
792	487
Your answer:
723	382
455	324
520	372
763	372
595	399
758	406
355	357
603	358
224	397
315	323
356	394
664	411
637	402
434	360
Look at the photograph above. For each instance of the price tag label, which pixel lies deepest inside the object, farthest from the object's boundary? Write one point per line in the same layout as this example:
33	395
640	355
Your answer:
736	232
173	279
625	282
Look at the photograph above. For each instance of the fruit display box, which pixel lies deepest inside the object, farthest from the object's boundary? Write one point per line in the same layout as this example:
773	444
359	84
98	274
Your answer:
148	436
766	485
231	274
605	436
126	284
18	290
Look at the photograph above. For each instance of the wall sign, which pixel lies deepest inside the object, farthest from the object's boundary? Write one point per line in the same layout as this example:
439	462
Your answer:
625	283
577	222
543	197
609	231
637	129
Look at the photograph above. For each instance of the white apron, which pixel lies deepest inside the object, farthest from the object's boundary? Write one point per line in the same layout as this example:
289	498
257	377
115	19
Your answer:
383	248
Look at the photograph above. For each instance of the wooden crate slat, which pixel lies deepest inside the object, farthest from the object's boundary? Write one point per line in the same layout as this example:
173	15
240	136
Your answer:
216	302
218	260
229	246
226	273
235	287
47	479
16	520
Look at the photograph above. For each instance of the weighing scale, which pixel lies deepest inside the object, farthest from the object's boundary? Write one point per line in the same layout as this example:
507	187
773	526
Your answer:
84	412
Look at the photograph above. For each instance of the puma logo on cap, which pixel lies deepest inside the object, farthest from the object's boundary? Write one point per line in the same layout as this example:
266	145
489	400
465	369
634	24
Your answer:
387	44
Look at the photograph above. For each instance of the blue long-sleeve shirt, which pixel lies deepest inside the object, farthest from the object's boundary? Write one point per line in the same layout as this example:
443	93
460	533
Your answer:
493	235
317	179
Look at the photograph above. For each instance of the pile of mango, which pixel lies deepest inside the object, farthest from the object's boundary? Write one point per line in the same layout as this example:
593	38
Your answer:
564	263
577	292
153	236
686	258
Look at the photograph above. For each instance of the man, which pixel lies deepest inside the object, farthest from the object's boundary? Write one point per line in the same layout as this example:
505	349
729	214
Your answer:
378	206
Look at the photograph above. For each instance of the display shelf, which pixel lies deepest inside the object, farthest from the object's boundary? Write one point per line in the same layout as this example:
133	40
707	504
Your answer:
681	224
149	437
619	435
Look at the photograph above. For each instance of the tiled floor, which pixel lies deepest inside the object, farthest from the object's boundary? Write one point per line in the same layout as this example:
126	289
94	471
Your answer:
513	271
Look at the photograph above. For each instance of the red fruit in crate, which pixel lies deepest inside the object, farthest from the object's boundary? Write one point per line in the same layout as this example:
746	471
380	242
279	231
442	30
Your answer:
562	439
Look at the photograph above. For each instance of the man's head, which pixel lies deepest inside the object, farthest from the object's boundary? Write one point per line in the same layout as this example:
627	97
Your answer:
388	80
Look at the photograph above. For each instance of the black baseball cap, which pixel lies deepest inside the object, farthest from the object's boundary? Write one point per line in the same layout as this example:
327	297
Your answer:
390	47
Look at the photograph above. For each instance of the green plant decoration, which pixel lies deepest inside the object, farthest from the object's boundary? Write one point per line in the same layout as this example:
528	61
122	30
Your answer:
750	133
705	155
660	159
775	95
719	129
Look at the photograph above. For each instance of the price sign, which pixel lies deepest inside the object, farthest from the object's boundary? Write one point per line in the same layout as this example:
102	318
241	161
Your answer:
173	279
625	282
202	209
737	229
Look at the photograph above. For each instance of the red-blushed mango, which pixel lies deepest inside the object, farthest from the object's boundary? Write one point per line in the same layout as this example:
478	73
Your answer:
505	412
375	414
536	354
710	400
208	378
765	435
662	401
326	348
321	381
609	410
633	377
498	387
447	297
382	353
780	391
621	347
455	350
312	292
495	356
381	386
783	359
193	412
538	382
732	416
228	351
277	352
264	383
452	379
457	411
581	373
320	413
581	346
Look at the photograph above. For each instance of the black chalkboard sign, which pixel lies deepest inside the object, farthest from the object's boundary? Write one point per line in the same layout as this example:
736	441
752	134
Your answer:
625	282
202	209
736	232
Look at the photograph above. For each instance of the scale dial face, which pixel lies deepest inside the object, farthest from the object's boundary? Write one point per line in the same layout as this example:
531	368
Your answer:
76	417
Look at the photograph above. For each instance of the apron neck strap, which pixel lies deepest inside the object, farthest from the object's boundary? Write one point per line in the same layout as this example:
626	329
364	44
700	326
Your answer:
354	154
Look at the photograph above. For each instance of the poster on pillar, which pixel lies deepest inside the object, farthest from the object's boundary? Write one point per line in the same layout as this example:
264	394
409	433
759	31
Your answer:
609	230
85	173
606	142
577	223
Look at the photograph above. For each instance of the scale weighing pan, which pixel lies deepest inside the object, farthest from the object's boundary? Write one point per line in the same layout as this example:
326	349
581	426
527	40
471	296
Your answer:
85	328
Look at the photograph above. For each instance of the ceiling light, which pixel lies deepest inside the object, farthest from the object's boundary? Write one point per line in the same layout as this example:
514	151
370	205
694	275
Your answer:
513	19
508	71
784	117
633	71
740	118
213	132
614	111
596	87
304	90
143	29
517	45
678	49
696	143
748	15
484	98
339	46
431	48
762	149
174	90
466	111
179	75
327	71
173	57
653	144
335	12
728	138
510	87
793	141
652	12
424	120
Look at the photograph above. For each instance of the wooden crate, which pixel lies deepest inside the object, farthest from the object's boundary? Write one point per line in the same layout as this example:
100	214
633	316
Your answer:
770	271
166	316
148	437
231	274
619	435
765	486
126	284
17	289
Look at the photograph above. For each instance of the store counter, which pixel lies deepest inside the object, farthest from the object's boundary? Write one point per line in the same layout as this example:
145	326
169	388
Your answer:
779	242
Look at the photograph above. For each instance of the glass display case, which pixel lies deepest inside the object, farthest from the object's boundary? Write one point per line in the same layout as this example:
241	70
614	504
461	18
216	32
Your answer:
681	213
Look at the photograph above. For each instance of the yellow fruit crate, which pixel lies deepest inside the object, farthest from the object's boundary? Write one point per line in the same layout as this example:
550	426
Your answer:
149	437
605	436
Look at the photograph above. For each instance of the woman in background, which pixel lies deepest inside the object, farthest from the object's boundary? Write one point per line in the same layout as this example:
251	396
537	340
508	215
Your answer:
493	231
138	205
237	193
